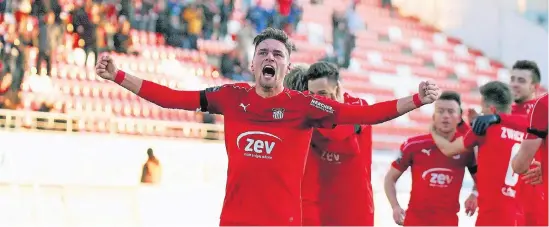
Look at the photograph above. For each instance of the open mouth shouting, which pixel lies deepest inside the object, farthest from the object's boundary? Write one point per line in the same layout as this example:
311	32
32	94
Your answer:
268	71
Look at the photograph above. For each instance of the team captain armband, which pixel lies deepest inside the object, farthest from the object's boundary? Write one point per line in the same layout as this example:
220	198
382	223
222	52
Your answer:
538	133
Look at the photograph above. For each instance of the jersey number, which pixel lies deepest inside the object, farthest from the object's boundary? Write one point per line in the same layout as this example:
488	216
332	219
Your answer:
511	178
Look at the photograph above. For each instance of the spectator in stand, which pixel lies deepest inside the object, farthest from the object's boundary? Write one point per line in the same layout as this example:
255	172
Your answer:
49	36
244	43
209	10
152	170
355	23
281	16
259	16
13	57
339	34
193	17
226	9
122	40
145	17
231	67
296	13
86	29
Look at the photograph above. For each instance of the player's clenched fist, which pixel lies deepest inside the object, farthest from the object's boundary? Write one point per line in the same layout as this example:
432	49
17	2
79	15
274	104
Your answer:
105	67
428	92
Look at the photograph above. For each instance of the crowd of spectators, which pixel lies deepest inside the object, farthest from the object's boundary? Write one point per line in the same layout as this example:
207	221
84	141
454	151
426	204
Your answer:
54	27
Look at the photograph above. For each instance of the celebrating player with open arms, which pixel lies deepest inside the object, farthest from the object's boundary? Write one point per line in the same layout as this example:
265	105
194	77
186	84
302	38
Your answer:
267	129
436	178
497	201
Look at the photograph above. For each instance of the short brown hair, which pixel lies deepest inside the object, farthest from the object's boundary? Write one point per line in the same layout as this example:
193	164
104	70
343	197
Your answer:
451	96
531	66
498	94
295	79
276	34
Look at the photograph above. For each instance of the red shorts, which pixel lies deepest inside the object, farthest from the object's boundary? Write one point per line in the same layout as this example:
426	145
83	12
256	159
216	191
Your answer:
311	214
430	218
499	218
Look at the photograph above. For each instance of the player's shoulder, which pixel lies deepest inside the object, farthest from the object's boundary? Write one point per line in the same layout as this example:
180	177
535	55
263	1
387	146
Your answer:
542	100
230	87
424	141
354	100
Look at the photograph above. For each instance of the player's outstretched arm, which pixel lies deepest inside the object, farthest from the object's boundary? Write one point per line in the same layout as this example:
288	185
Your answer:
379	112
152	92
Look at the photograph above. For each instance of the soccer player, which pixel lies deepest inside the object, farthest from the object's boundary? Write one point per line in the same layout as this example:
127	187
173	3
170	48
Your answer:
525	80
496	180
534	142
267	128
436	178
337	186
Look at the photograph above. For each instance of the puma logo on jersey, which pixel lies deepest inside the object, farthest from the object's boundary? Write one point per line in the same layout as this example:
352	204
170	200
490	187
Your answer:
426	151
244	106
507	133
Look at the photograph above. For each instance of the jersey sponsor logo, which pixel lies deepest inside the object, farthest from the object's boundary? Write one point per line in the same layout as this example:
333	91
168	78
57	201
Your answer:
212	89
278	113
331	157
507	133
257	144
322	106
438	177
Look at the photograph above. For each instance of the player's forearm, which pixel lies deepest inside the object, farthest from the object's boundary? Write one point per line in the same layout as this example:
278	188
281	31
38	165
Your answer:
390	192
158	94
521	162
446	147
377	113
407	104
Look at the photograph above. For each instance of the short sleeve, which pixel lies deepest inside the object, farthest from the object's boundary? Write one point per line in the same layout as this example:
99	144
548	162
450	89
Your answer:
470	139
404	160
538	120
215	99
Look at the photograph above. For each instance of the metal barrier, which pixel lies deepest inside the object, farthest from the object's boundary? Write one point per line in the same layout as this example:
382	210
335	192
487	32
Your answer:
93	122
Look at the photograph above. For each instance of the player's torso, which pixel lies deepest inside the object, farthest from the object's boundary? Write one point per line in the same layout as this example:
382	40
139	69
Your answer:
436	179
267	142
496	179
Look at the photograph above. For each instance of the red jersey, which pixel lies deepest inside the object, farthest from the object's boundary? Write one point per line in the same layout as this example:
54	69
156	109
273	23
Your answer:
496	180
538	122
530	196
436	178
343	157
267	140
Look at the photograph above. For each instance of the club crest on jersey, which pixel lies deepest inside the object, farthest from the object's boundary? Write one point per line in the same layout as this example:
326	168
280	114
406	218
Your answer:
278	113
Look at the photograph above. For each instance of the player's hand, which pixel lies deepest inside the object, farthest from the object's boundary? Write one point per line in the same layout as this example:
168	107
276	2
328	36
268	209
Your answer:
471	205
481	124
105	67
534	175
398	215
472	114
428	92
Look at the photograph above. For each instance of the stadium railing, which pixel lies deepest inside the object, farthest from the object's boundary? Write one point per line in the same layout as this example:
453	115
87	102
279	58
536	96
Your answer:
93	122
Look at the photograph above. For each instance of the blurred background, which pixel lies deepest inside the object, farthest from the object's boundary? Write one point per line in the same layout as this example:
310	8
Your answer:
80	151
